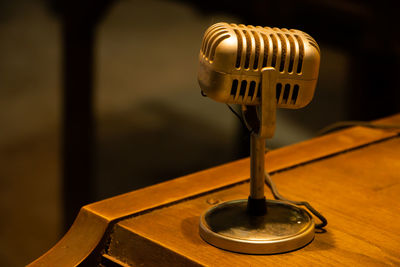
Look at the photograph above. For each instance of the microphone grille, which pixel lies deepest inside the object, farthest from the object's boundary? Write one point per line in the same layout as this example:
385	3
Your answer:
232	57
282	49
249	92
212	38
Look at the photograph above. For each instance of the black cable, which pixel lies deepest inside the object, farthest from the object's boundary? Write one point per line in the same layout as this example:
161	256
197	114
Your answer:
342	124
277	195
248	131
237	115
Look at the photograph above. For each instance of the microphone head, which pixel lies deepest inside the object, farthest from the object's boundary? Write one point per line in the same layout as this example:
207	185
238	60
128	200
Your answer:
233	56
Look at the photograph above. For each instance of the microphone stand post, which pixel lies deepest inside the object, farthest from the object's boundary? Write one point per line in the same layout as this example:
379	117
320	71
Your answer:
261	130
256	204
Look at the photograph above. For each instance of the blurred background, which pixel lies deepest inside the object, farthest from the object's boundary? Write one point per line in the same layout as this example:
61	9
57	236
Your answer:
99	98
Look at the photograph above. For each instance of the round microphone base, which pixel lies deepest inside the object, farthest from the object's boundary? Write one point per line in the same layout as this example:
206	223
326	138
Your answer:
283	228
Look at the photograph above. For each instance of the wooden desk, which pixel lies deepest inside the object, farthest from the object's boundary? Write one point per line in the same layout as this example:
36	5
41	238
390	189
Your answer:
351	176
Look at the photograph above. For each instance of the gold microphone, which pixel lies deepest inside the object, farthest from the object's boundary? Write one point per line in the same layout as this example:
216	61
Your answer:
260	68
232	58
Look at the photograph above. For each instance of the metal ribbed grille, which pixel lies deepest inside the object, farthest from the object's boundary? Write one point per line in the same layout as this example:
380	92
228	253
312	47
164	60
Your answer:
239	48
260	47
212	38
287	94
312	42
292	52
249	91
244	90
274	50
301	54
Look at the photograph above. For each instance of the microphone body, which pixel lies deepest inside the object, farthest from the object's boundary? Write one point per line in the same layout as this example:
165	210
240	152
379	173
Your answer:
232	58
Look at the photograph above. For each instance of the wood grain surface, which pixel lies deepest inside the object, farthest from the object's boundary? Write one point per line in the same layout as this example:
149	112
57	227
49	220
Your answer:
89	236
357	191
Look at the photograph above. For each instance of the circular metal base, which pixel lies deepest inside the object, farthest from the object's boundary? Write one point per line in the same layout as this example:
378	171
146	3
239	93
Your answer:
285	227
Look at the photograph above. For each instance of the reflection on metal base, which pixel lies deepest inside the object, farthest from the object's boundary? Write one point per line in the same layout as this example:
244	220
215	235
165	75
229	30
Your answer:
285	227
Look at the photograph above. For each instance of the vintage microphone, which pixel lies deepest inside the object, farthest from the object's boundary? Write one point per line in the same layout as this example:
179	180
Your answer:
260	68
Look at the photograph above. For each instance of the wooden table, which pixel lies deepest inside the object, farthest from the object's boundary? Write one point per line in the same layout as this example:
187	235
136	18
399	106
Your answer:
351	176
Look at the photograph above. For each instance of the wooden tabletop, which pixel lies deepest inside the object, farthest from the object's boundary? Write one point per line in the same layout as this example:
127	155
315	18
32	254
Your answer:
352	177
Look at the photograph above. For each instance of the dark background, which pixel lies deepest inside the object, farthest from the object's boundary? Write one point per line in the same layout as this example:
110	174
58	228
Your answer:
99	98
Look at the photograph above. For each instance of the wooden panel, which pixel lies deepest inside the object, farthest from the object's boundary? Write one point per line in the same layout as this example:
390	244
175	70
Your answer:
100	216
237	171
357	191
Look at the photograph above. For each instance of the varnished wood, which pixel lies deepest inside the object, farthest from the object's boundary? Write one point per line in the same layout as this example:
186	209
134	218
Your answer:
89	235
357	191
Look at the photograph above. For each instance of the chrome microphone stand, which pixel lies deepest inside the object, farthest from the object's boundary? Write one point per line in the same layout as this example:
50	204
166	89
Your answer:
256	225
